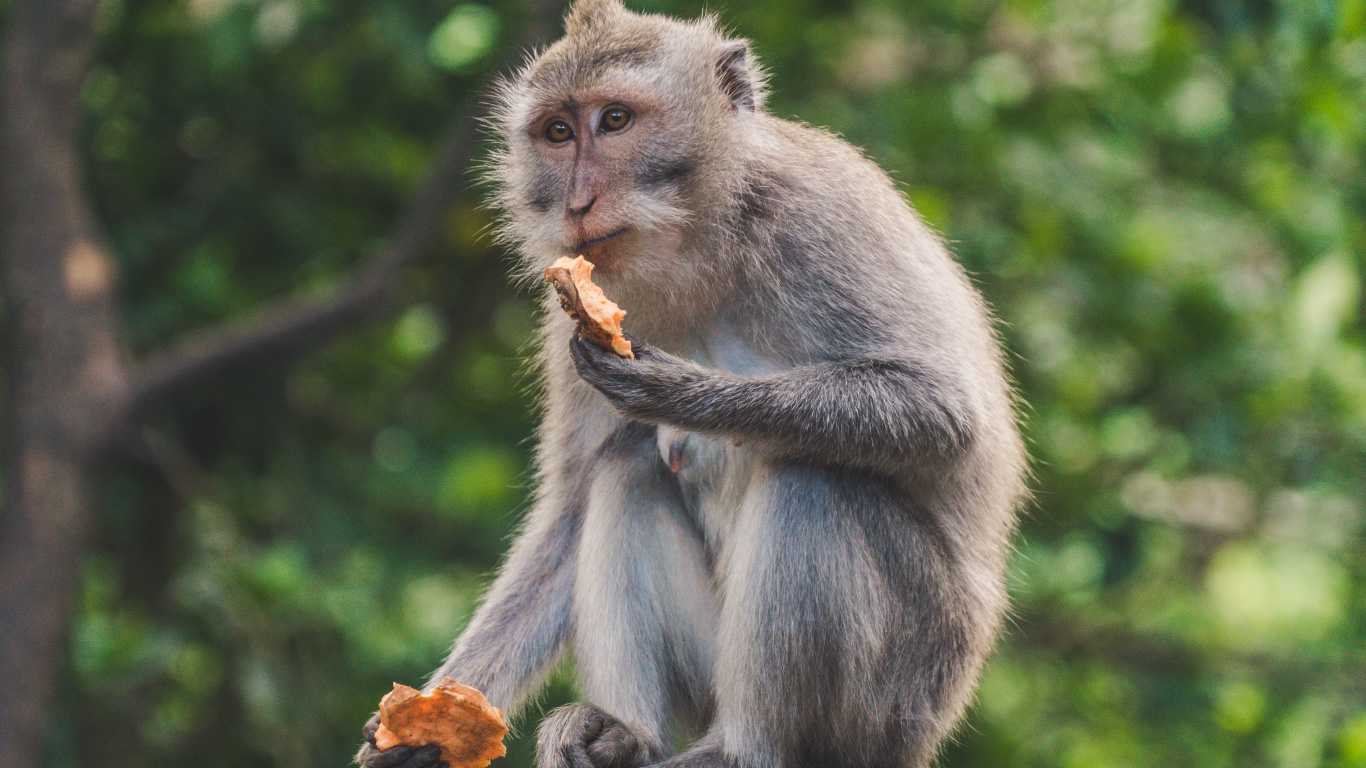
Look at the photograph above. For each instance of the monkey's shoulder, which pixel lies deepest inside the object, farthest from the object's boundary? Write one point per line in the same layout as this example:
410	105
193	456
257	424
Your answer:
827	210
816	157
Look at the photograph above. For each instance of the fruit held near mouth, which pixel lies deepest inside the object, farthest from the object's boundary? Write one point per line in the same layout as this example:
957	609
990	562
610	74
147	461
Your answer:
455	717
599	319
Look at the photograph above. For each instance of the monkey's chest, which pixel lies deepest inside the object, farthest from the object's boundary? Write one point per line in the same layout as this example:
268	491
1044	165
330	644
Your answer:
713	474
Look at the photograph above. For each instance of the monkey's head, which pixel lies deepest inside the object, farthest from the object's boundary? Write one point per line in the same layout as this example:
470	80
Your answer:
623	140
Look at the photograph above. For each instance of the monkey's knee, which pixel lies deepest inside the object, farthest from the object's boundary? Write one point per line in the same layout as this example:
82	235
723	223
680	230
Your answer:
583	736
842	591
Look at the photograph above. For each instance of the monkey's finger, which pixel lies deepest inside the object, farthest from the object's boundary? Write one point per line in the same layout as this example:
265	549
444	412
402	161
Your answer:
585	348
426	757
644	353
372	757
607	356
638	347
616	745
587	356
368	731
574	756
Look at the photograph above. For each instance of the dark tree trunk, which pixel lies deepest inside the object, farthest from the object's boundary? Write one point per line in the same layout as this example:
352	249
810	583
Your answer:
66	381
69	388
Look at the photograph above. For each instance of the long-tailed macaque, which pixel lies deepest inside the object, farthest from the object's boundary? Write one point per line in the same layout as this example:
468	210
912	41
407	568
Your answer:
781	530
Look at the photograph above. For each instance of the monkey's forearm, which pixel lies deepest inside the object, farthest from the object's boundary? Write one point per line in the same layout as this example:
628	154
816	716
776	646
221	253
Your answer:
857	412
523	623
871	413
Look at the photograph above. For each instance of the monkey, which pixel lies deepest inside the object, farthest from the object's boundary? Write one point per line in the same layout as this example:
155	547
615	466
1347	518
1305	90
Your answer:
778	536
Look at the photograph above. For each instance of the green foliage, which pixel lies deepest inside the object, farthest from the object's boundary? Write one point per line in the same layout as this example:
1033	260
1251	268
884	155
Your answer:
1164	201
464	36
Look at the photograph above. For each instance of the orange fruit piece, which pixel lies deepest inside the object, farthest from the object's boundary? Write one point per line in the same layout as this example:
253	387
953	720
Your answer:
455	717
599	318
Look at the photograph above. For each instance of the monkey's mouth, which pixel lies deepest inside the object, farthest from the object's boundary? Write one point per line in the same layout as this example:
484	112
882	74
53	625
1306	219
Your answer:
600	239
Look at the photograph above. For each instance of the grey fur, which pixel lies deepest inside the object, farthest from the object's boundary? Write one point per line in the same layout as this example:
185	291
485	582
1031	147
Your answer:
821	578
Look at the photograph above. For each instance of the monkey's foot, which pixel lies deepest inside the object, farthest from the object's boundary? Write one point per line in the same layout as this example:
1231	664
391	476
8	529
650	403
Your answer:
583	736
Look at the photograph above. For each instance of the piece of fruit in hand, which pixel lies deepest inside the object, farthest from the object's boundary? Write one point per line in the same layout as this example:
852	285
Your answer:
599	319
455	717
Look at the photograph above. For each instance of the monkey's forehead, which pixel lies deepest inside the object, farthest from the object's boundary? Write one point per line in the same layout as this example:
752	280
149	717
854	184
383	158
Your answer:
641	48
573	64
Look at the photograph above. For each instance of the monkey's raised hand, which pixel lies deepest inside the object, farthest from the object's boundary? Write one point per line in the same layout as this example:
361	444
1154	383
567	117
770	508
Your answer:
583	736
371	756
634	387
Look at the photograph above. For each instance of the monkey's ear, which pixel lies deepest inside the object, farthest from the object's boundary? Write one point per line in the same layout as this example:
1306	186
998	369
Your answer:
737	81
584	15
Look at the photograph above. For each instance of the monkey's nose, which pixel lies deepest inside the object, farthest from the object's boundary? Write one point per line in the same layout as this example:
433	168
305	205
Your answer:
579	208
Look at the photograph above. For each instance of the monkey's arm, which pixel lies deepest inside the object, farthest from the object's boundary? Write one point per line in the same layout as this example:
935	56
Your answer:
523	622
517	632
869	413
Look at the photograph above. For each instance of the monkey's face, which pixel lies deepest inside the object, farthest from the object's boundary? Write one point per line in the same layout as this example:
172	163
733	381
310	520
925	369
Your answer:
598	179
620	142
607	171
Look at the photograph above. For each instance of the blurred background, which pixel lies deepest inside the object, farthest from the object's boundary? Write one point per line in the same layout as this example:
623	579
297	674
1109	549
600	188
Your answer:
1164	200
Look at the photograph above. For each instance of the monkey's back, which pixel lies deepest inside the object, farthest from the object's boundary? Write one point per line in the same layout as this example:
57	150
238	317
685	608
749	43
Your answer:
862	275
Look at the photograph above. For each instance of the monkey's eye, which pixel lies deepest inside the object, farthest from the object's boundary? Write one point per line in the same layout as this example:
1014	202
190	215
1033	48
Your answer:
558	132
615	118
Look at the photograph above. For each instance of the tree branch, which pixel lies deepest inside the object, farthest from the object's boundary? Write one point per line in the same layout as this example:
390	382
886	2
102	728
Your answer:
68	388
292	326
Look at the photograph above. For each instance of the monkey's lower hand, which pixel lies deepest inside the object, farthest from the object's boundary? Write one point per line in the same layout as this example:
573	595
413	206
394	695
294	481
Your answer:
371	756
644	389
583	736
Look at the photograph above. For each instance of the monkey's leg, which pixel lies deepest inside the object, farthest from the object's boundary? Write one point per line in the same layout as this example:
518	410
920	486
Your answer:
845	639
643	614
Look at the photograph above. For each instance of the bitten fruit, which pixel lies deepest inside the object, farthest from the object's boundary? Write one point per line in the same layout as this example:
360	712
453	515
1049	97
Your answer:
599	319
455	717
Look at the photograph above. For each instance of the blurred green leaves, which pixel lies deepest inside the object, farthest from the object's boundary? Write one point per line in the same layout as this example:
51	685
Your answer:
477	481
1275	596
418	334
1327	299
464	37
